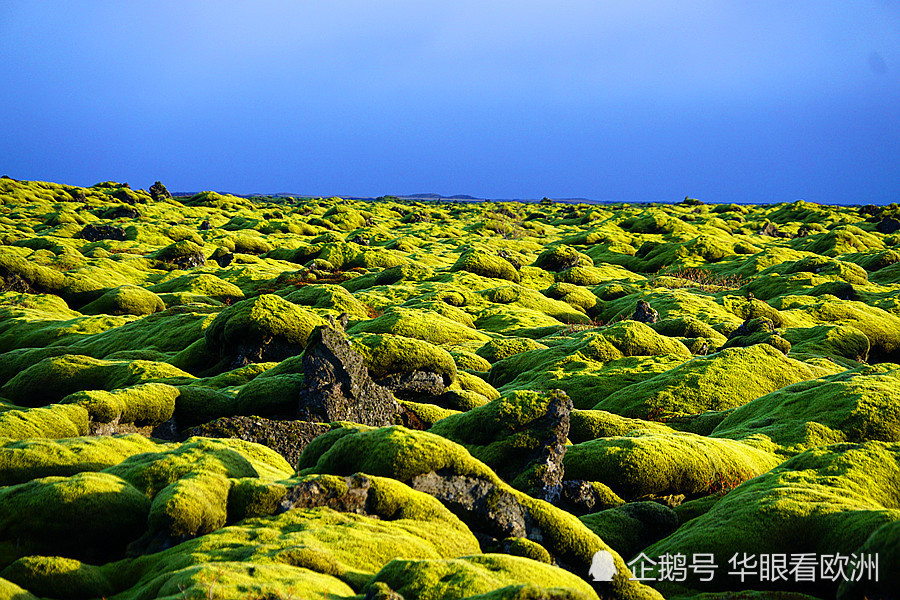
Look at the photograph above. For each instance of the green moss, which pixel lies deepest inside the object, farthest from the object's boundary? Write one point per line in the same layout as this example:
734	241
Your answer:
394	452
145	404
28	459
501	348
152	471
471	361
194	505
331	298
527	549
880	327
474	383
472	576
824	501
387	354
254	321
125	300
486	264
178	251
56	421
723	380
428	414
10	591
420	324
57	577
521	296
54	378
883	544
318	547
507	434
852	406
587	425
659	464
201	284
253	497
87	515
631	527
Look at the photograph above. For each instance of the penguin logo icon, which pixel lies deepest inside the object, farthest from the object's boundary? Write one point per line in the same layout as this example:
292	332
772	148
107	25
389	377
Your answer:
603	568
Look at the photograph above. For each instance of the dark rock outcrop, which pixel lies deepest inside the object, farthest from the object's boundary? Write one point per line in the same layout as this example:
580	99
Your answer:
888	225
123	212
205	226
94	233
311	493
771	230
222	257
287	438
644	313
580	497
491	513
159	192
337	385
547	469
414	385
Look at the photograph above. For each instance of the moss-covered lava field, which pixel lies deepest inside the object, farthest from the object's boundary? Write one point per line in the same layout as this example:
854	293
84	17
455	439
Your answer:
288	398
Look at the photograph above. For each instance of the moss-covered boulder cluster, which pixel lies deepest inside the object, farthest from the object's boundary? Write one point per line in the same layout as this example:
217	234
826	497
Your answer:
643	382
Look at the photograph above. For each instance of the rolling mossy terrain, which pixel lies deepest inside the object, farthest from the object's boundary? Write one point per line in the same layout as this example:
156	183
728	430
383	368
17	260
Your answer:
225	397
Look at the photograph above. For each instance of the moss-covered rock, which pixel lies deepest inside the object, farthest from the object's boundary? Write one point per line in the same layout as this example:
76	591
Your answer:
723	380
58	577
827	500
486	264
420	324
51	422
261	329
24	460
388	354
853	406
646	464
144	404
478	576
90	516
56	377
631	527
125	300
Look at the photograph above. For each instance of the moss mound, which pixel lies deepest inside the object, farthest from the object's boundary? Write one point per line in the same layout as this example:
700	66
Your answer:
645	464
720	381
826	500
853	406
263	328
472	576
90	516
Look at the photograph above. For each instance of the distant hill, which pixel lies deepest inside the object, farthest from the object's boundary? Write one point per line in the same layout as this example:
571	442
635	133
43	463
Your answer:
430	196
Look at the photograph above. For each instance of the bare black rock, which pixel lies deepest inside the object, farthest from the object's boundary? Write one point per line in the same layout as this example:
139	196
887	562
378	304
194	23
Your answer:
311	493
546	476
94	233
771	229
222	257
645	313
414	385
888	225
159	192
287	438
490	512
337	385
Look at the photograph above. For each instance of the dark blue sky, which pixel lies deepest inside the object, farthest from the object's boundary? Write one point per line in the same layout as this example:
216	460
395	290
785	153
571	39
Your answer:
748	101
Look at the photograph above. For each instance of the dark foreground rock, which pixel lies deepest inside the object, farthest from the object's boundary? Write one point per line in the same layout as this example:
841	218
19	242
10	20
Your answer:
337	385
287	438
644	313
94	233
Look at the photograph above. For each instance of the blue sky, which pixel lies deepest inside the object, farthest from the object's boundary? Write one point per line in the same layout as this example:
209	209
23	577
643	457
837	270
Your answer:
747	101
